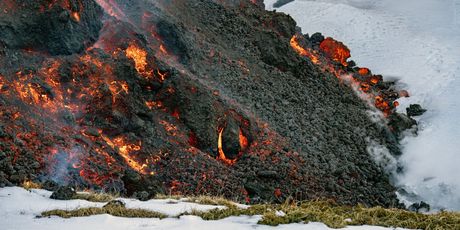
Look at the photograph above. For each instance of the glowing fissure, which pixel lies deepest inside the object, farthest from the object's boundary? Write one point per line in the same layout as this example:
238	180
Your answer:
125	149
221	155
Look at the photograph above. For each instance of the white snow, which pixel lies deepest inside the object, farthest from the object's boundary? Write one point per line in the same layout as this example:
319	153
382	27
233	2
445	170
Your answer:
19	208
417	42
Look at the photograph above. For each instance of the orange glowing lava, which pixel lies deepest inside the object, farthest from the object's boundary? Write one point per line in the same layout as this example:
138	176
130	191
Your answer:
154	104
117	87
75	16
161	75
222	156
163	49
139	56
337	51
303	52
125	149
363	71
243	140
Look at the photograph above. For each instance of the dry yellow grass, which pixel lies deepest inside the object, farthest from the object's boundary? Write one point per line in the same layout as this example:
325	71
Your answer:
95	197
28	185
337	216
329	213
120	211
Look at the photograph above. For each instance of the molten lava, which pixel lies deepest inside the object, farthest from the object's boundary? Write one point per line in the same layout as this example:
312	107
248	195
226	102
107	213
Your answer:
75	16
337	51
302	51
363	71
243	140
361	79
125	150
139	56
221	155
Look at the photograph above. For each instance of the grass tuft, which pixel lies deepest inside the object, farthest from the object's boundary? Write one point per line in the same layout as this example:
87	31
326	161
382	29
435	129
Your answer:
203	199
95	197
119	211
210	200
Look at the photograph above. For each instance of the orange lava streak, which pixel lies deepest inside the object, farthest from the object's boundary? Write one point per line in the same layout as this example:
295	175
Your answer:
75	16
162	76
116	87
2	82
163	49
222	156
303	52
124	150
139	57
243	141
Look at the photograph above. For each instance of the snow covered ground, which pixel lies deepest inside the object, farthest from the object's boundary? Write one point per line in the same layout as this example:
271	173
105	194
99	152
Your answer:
417	42
19	208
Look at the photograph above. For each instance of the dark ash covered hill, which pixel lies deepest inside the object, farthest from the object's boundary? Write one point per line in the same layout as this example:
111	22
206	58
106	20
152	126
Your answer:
183	97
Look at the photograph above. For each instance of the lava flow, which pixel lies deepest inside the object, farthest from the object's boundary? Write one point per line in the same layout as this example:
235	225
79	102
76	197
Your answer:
331	55
189	97
303	51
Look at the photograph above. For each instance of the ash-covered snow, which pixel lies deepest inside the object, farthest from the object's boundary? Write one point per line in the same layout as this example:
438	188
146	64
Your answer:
418	43
19	208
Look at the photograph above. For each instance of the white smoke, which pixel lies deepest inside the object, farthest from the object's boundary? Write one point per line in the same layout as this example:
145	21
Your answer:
382	156
62	164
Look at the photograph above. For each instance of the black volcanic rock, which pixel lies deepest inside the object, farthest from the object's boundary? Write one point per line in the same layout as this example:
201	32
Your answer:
60	27
415	110
281	3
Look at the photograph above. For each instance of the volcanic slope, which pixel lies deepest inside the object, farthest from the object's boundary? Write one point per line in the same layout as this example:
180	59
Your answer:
182	97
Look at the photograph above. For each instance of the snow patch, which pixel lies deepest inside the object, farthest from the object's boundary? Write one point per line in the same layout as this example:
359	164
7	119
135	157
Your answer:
19	208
